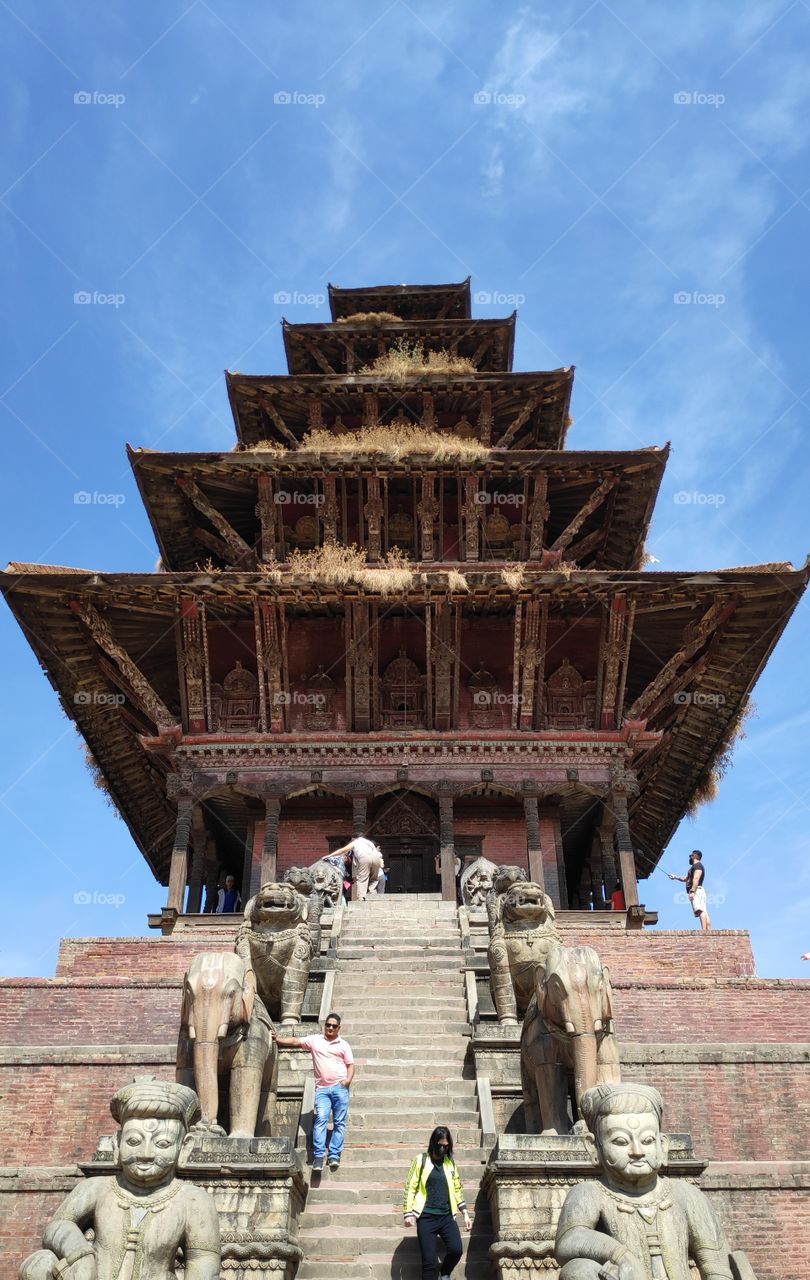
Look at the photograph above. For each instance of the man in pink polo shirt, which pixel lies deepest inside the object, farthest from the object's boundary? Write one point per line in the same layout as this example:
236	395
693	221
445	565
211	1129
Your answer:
333	1065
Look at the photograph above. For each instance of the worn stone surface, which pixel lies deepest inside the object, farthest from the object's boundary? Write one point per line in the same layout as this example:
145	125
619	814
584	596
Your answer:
277	943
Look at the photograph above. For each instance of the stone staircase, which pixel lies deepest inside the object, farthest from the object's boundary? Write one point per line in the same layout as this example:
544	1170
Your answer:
399	988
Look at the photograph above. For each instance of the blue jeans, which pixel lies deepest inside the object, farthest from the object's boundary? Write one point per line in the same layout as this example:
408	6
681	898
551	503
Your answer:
334	1098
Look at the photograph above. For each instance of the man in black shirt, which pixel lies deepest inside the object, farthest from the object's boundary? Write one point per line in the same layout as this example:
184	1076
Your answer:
695	881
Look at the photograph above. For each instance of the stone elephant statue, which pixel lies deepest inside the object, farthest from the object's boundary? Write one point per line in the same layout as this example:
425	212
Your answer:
567	1032
225	1028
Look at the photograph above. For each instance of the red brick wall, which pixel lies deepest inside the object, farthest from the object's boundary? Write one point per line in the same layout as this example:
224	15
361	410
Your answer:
51	1011
504	839
770	1222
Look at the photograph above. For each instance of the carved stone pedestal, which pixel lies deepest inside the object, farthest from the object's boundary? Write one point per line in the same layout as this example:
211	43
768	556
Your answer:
259	1189
526	1181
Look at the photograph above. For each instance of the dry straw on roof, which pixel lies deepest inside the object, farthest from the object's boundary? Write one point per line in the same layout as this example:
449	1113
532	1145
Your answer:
370	317
335	565
514	576
709	783
395	441
406	360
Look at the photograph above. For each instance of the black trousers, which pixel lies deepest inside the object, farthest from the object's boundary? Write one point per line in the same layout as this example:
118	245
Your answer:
430	1231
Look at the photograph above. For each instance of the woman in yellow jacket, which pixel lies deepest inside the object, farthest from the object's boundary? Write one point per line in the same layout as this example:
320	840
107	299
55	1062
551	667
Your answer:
433	1196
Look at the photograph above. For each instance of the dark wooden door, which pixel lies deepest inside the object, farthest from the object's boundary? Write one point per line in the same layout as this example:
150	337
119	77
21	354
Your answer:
410	864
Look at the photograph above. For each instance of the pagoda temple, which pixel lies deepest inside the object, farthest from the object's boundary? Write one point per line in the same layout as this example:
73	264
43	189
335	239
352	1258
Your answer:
400	606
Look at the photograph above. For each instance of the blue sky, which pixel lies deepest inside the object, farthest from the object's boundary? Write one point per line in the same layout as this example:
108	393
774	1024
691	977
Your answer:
634	176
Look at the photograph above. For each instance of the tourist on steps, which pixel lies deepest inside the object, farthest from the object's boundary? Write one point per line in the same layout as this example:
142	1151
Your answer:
333	1065
433	1196
367	860
695	881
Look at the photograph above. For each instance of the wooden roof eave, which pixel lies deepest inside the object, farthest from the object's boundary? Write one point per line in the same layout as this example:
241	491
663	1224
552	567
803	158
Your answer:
380	292
135	458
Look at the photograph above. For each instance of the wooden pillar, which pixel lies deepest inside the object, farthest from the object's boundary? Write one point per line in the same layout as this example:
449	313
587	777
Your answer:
535	851
178	870
268	869
624	849
199	841
447	853
359	814
550	843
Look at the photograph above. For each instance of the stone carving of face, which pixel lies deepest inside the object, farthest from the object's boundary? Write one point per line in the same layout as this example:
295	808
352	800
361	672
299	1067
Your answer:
149	1149
276	903
630	1149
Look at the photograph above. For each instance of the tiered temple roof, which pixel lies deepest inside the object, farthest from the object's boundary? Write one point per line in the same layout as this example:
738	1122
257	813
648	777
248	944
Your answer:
547	671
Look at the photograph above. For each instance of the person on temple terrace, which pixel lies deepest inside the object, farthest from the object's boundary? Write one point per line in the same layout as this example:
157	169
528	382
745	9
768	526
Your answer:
695	881
229	899
631	1224
433	1196
366	859
333	1065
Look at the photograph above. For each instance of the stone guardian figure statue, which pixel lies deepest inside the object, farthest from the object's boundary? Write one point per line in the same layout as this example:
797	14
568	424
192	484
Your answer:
143	1214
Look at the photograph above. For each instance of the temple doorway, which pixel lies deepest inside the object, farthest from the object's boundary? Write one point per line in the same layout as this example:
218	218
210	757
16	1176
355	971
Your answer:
405	824
410	862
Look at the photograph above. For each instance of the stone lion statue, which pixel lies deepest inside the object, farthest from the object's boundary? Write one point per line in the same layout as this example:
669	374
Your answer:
303	881
521	934
476	883
276	944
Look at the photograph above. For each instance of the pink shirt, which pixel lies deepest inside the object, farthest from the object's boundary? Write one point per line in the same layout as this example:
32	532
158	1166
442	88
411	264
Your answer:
330	1058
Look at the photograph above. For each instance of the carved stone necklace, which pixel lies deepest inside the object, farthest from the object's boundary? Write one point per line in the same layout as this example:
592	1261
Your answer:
129	1261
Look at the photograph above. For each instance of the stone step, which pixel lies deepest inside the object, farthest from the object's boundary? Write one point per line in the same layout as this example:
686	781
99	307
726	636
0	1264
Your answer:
388	1158
463	1115
413	1027
382	1266
359	1002
334	1190
344	1243
371	1103
407	1136
393	1075
417	1040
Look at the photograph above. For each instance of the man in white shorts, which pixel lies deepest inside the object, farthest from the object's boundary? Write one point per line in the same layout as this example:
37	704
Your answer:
696	888
367	860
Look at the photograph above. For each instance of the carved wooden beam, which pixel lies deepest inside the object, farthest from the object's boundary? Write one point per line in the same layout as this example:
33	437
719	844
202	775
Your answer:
313	349
266	513
272	412
520	421
539	516
611	661
596	499
99	628
213	543
711	620
485	418
315	414
473	512
329	511
192	659
240	551
579	550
